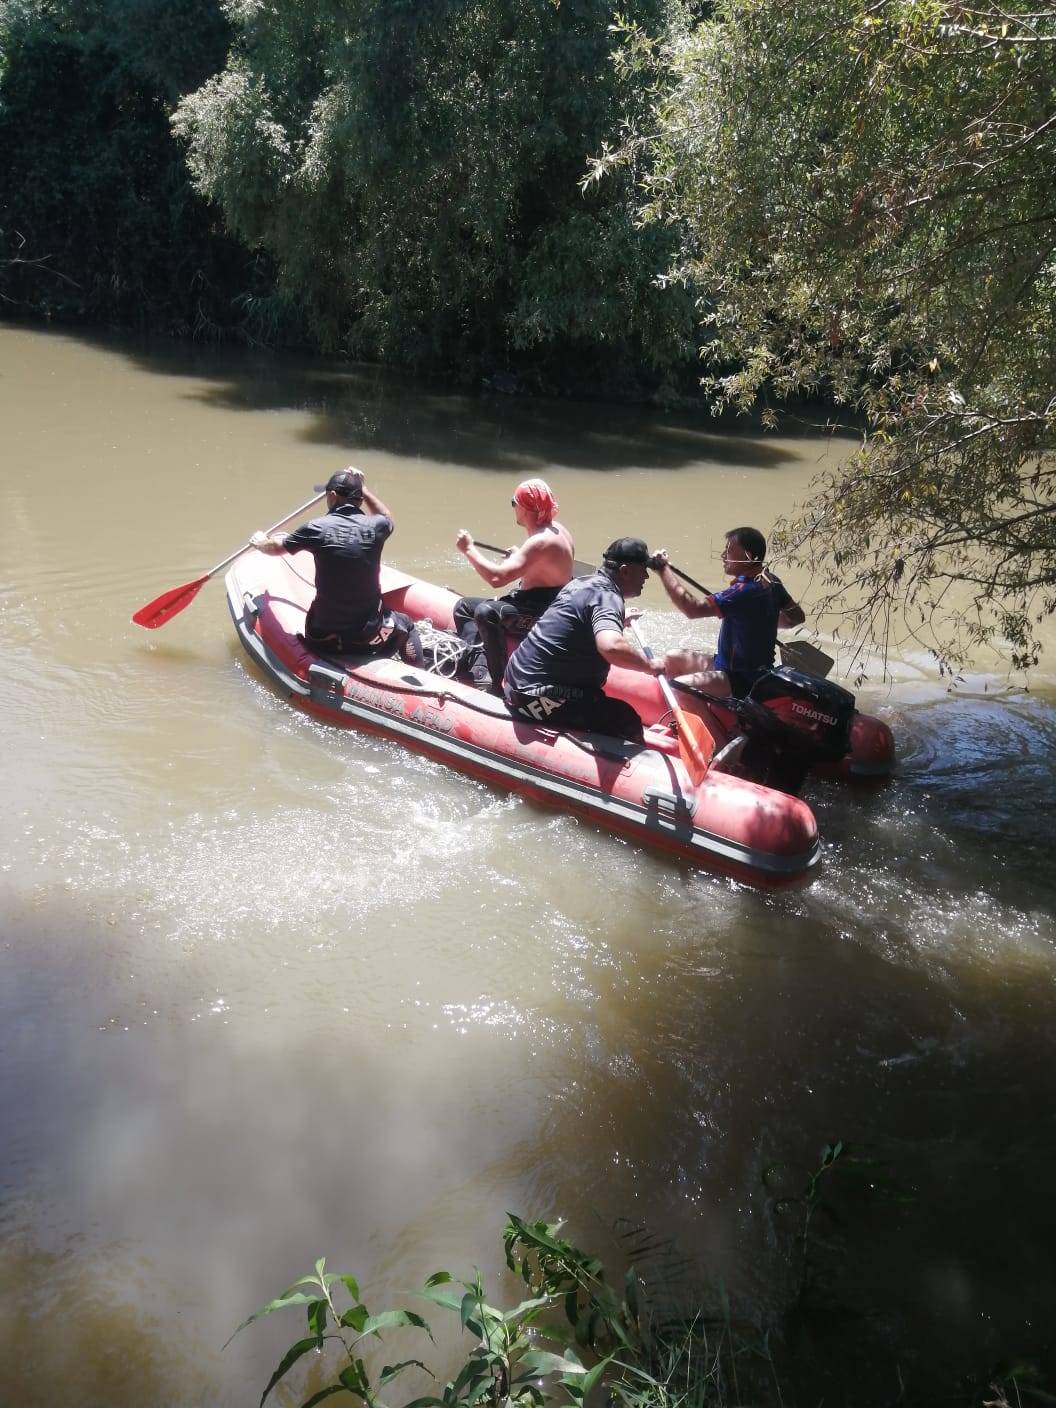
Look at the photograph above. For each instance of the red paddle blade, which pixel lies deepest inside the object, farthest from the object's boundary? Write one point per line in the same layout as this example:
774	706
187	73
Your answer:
695	744
169	604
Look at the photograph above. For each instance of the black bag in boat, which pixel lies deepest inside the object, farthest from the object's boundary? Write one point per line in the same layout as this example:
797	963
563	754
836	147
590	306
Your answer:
799	712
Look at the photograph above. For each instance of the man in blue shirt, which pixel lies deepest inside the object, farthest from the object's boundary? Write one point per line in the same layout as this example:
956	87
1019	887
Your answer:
556	675
348	616
752	608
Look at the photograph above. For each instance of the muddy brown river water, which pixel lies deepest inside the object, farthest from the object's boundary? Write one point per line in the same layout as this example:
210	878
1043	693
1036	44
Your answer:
271	991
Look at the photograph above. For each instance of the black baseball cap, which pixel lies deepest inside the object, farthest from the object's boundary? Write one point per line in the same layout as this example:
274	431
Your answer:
628	550
346	484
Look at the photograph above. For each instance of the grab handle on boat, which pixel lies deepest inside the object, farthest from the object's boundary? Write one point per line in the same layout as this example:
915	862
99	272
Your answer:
327	684
678	807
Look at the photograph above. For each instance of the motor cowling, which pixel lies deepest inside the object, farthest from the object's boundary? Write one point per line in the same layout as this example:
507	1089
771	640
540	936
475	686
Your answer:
793	720
803	710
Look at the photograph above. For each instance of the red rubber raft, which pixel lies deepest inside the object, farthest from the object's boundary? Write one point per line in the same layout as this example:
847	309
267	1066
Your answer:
727	824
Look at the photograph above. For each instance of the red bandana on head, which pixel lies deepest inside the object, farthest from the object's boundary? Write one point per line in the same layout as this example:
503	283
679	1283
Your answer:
537	497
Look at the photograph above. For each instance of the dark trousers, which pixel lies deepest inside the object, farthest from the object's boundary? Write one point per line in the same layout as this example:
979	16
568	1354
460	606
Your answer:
563	707
489	623
398	636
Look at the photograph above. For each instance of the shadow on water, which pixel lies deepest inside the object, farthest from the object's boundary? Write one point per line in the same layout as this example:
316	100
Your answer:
880	1007
376	408
80	1304
935	1069
906	1005
168	1167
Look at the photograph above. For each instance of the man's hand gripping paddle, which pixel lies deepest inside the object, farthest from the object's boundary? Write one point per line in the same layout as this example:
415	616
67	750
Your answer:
800	654
579	569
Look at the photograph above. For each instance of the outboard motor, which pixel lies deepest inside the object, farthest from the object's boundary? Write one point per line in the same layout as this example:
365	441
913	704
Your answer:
791	721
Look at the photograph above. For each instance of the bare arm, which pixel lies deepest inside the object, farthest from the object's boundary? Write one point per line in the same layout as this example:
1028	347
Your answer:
686	601
617	650
790	615
373	504
494	573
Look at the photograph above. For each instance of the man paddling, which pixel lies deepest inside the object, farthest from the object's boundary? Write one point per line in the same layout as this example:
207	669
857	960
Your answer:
752	608
557	673
541	566
348	616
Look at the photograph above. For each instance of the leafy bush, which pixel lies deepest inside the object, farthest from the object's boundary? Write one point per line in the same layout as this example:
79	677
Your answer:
599	1337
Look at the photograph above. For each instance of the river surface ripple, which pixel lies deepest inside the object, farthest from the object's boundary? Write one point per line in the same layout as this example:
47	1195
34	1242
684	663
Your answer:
274	992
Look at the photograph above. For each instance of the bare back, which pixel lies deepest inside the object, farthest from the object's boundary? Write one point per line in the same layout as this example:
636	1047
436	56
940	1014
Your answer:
545	557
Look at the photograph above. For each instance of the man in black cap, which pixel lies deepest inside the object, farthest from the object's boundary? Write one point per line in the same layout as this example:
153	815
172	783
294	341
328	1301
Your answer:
348	616
557	673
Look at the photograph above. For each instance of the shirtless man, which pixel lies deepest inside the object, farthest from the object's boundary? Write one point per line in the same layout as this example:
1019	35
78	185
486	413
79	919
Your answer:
541	566
752	608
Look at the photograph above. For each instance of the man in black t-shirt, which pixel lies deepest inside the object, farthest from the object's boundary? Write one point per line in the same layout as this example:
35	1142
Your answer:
557	673
348	616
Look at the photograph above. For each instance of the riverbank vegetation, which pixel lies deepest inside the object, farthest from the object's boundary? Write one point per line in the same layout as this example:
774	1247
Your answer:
651	1338
852	203
865	195
571	1336
413	169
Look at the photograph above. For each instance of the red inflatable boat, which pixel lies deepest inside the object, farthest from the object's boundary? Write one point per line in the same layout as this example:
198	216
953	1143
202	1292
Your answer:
728	823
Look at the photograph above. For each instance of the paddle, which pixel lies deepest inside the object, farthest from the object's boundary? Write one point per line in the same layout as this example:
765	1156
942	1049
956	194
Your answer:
695	742
800	654
163	608
579	569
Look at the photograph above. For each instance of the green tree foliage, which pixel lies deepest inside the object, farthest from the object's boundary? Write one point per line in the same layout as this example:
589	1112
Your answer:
98	218
413	168
866	190
573	1339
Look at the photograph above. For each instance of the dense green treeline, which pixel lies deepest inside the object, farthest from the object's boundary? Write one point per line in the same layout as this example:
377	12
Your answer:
866	195
392	181
414	167
98	220
852	201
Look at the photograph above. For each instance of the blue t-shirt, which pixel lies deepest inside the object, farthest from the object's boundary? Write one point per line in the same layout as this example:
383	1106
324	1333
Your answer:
346	545
560	648
749	609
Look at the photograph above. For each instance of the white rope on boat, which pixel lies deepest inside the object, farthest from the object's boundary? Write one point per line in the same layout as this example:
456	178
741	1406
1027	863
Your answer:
443	649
